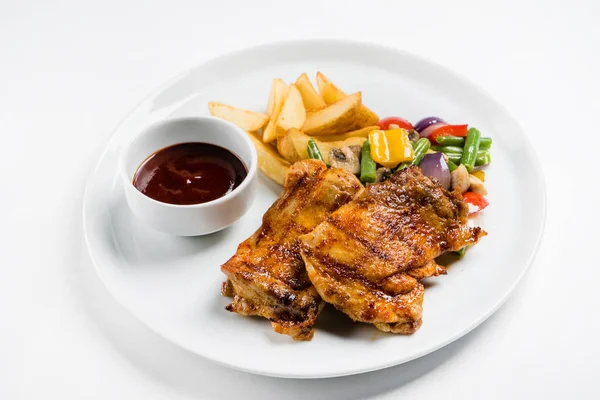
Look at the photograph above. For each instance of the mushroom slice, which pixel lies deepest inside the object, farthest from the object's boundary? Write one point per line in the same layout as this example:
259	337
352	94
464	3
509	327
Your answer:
413	136
345	158
383	174
477	186
460	179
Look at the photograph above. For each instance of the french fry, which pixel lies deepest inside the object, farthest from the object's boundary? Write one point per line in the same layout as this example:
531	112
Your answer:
329	92
338	117
269	161
332	94
277	84
293	113
297	113
366	117
311	98
293	146
362	133
247	120
279	92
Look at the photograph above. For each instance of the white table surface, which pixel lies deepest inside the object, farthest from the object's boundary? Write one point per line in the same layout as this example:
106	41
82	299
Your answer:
69	71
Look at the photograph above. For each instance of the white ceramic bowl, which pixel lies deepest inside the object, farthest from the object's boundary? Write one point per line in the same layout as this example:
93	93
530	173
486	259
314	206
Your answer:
194	219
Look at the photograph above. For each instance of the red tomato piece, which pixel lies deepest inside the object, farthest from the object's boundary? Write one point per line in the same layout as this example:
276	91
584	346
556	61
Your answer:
449	130
401	122
475	201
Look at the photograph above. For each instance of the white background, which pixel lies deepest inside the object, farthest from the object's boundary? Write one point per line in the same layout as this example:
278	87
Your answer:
70	70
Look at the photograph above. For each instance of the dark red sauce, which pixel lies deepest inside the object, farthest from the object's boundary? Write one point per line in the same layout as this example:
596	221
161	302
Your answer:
189	173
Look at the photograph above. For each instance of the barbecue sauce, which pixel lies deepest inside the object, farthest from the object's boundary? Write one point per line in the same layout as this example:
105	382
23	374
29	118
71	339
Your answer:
189	173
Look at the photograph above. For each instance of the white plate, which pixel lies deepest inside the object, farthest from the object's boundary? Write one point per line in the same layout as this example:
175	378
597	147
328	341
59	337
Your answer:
172	284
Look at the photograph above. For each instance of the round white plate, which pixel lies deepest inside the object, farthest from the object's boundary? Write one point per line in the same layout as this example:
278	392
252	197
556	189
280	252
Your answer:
172	284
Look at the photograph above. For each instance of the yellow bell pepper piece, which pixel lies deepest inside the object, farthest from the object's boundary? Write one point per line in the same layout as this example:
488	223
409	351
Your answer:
390	148
479	174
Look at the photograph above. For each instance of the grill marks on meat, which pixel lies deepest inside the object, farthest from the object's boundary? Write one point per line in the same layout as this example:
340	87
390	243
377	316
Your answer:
368	257
266	276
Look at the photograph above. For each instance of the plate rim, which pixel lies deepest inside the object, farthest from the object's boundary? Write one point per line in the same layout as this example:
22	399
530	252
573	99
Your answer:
529	148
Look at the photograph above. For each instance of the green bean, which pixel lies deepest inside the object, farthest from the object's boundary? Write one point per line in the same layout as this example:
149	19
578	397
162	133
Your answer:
450	140
451	165
455	153
403	165
420	149
483	159
486	143
469	155
461	252
448	149
455	158
368	169
313	150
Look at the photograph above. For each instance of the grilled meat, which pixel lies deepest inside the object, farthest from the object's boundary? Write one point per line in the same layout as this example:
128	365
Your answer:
368	257
266	276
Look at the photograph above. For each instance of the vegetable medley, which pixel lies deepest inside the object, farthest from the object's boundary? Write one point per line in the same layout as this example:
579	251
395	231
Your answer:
455	155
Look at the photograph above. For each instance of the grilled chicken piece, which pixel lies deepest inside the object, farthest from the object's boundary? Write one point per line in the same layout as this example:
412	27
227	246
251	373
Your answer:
266	276
367	258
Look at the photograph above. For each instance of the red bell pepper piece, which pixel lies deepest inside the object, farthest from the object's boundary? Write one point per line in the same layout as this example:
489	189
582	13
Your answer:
475	201
401	122
449	130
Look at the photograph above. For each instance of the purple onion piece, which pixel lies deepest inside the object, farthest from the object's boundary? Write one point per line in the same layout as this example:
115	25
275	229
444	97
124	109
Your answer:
480	167
431	128
425	122
435	166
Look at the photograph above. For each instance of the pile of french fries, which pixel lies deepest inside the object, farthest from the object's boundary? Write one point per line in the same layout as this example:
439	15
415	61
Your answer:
294	114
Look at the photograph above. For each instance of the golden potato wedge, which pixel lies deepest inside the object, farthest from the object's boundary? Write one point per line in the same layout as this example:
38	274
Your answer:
366	117
311	98
338	117
279	93
329	92
362	133
247	120
278	84
293	113
332	94
269	161
294	145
